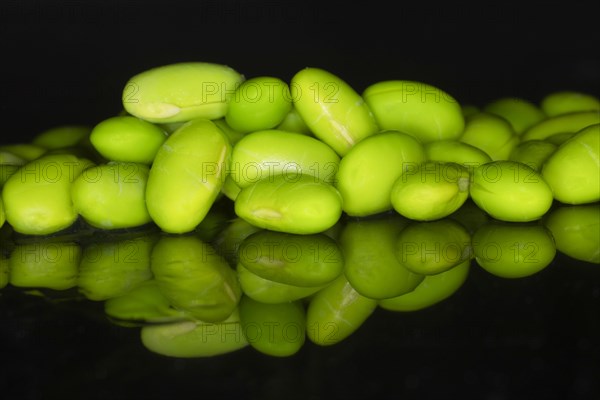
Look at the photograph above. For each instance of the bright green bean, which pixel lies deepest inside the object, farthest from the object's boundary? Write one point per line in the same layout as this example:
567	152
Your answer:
112	196
368	171
61	136
127	139
491	133
430	190
187	175
533	153
457	152
259	103
561	124
302	204
510	191
331	108
568	101
37	198
264	154
573	170
520	113
181	92
416	108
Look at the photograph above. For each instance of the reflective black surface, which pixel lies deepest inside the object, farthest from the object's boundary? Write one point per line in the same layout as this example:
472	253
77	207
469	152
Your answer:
494	339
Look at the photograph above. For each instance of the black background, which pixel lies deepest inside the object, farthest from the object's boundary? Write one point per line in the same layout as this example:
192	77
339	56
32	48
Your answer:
67	62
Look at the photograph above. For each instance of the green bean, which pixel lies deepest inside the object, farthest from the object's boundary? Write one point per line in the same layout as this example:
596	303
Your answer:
293	122
368	171
573	170
491	133
510	191
259	103
301	204
416	108
127	139
520	113
457	152
37	198
561	124
568	101
533	153
430	190
187	175
331	108
26	151
181	92
112	196
61	136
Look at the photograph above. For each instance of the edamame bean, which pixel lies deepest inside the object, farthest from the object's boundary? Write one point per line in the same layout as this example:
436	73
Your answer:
61	136
559	138
520	113
563	124
233	135
45	264
416	108
195	278
112	196
371	266
573	170
187	175
433	290
336	312
293	122
37	198
457	152
259	103
533	153
181	92
113	268
568	101
264	154
26	151
491	133
430	190
302	205
430	248
368	171
143	304
299	260
576	231
6	157
230	189
271	292
510	191
510	250
127	139
331	108
193	339
274	329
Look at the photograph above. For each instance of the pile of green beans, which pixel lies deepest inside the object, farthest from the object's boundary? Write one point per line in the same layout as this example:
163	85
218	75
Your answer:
234	173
